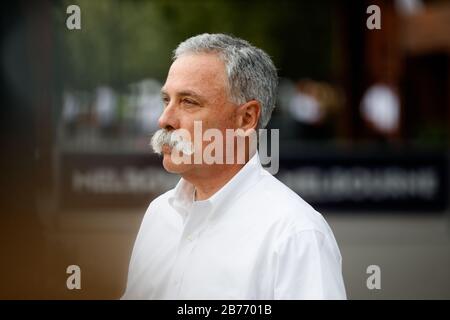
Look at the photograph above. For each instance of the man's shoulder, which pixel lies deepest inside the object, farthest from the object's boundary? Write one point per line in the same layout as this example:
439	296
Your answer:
278	202
161	200
158	204
271	193
156	209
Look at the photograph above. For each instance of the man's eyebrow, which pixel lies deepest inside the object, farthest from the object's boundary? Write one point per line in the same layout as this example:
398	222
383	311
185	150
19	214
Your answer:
184	93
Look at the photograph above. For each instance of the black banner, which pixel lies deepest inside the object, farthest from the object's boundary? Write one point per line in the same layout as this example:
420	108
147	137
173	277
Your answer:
346	181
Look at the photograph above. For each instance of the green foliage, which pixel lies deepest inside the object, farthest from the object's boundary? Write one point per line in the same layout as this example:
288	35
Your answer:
125	41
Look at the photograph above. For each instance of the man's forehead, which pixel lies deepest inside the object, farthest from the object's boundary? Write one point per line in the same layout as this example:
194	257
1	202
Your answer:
196	70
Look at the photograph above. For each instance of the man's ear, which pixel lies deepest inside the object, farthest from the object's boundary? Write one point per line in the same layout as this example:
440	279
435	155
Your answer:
248	115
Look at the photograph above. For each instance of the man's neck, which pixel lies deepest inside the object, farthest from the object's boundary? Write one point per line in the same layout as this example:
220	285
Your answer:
208	183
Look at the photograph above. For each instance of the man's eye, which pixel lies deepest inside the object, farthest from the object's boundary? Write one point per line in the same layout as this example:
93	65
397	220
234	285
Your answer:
165	101
189	101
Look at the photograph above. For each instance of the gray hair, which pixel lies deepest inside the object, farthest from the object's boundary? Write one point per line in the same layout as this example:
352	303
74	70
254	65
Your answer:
250	71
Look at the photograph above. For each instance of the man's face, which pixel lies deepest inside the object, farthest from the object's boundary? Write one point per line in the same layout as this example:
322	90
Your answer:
196	89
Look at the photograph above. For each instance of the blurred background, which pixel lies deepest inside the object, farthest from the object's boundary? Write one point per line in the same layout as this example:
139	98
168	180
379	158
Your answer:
364	119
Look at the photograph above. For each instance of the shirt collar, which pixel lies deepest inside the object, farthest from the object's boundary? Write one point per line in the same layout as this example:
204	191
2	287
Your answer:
182	199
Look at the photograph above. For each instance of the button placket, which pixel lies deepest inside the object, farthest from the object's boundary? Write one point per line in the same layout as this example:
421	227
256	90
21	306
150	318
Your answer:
195	222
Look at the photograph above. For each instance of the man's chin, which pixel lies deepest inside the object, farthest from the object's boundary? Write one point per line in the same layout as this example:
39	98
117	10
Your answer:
173	167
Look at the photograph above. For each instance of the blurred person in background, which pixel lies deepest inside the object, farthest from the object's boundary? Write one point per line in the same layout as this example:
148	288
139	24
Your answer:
316	108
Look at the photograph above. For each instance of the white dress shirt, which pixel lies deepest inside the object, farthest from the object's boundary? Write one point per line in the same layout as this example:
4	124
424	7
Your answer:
253	239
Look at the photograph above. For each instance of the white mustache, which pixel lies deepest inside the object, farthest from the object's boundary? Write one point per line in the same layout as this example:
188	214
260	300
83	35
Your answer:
173	139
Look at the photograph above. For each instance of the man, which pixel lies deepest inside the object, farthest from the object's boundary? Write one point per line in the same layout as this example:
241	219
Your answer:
229	229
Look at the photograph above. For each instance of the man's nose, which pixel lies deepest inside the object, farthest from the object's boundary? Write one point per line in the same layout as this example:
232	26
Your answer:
169	118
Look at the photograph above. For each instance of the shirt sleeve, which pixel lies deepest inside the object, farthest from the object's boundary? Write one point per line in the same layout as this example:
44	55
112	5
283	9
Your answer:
133	282
308	266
